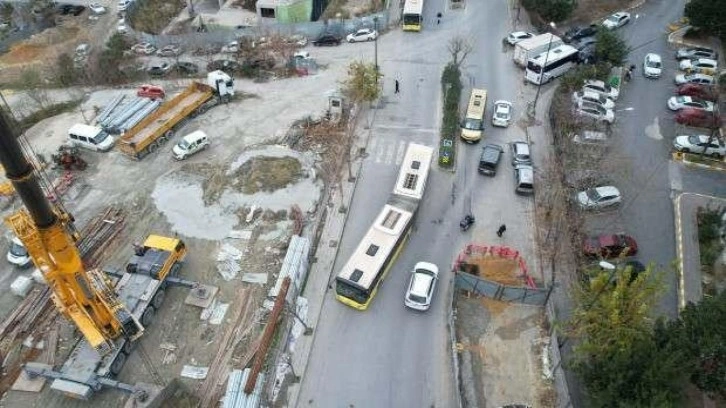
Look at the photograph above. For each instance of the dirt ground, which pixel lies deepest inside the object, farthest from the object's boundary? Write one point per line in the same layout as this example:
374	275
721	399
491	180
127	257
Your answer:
590	11
500	353
206	201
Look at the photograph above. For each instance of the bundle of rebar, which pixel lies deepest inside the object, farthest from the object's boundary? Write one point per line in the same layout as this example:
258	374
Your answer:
35	313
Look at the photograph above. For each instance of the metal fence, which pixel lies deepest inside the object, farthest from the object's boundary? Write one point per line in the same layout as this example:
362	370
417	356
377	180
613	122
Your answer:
311	30
498	291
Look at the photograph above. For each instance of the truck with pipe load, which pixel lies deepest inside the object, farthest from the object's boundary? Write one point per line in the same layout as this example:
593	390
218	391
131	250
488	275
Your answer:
157	128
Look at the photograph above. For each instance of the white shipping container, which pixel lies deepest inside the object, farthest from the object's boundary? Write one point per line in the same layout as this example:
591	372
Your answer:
532	47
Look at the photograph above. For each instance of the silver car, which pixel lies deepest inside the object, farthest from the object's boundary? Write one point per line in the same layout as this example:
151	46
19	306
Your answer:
421	287
598	198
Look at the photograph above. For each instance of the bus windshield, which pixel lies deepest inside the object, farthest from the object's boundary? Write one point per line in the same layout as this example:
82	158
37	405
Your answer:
534	67
346	290
472	124
411	19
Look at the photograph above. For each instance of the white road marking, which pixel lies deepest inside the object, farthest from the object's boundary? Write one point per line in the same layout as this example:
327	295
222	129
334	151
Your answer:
401	151
653	130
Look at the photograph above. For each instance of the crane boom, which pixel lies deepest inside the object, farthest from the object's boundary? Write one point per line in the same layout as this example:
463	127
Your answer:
85	297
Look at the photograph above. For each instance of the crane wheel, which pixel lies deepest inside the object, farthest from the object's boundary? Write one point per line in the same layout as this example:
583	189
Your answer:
152	147
128	347
118	364
158	299
148	317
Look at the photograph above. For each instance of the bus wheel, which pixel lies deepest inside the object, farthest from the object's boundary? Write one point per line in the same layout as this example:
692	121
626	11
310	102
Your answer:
118	364
128	347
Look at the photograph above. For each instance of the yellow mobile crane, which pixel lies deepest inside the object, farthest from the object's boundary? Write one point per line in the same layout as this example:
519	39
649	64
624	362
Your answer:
85	297
110	317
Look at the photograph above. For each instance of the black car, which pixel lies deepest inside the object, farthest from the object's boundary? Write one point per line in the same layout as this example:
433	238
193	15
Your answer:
186	68
66	9
576	33
327	39
159	70
489	160
583	43
587	55
224	65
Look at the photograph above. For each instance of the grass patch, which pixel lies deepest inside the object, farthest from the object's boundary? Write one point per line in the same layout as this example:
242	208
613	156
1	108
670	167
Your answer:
47	112
267	174
709	239
708	161
451	84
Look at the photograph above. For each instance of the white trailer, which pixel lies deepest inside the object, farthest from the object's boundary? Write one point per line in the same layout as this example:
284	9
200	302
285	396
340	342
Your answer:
532	47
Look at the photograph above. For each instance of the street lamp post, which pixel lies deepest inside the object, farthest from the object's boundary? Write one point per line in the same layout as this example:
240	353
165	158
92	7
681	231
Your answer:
375	46
541	74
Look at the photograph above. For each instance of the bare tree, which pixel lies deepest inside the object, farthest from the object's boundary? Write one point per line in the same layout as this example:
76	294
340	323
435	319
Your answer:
459	48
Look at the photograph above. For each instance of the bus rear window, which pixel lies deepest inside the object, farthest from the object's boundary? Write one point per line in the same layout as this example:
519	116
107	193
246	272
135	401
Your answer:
346	290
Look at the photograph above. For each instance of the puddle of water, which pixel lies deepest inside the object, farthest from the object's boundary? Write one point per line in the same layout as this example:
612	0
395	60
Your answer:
179	198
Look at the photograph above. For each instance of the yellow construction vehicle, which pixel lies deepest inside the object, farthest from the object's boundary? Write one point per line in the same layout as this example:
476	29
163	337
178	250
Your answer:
110	317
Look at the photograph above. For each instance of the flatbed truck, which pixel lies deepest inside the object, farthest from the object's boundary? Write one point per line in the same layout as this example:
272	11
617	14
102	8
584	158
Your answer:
157	128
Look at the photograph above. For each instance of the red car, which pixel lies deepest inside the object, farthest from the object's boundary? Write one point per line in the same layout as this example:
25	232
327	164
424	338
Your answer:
698	118
609	246
151	92
697	91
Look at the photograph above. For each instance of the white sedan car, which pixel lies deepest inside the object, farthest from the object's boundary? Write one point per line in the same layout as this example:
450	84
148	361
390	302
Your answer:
598	198
696	64
676	103
517	36
364	34
594	97
694	79
595	111
97	8
502	113
617	20
421	286
652	66
700	144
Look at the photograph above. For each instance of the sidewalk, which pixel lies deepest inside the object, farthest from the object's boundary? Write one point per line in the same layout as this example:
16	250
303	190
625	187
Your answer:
689	262
321	271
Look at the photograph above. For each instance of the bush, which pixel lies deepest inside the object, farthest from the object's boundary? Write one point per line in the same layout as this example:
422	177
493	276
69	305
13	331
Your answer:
47	112
709	243
451	84
551	10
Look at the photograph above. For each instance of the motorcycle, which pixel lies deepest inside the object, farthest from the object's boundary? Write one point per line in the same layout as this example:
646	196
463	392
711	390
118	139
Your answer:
466	222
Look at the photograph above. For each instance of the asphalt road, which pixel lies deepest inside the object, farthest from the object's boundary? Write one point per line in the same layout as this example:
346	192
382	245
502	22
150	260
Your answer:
649	180
389	356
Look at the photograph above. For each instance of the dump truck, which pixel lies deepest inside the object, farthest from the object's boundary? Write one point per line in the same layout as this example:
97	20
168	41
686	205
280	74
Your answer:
532	47
157	128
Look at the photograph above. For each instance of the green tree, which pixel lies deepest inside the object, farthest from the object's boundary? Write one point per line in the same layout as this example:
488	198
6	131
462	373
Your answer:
620	361
65	72
701	333
551	10
610	48
363	83
708	15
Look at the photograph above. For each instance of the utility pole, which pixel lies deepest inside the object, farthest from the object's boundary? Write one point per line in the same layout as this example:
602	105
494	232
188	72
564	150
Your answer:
541	74
375	46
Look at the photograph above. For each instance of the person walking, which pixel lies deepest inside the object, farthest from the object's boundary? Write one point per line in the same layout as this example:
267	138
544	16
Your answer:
438	18
501	230
398	87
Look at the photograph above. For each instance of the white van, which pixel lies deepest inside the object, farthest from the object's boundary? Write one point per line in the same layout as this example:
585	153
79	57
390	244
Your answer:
90	137
190	144
17	254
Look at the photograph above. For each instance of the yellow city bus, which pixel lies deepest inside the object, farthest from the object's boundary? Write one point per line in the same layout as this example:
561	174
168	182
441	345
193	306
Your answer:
472	126
359	279
413	15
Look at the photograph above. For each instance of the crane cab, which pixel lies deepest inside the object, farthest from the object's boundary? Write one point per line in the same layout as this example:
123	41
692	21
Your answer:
157	257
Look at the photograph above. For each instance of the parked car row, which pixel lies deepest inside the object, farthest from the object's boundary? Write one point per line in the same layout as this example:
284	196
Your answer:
596	100
521	160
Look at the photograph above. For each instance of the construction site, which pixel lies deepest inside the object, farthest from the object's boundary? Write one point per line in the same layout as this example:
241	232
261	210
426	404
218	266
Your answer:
224	223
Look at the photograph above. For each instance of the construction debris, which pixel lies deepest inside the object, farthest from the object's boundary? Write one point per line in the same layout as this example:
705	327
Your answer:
228	261
169	353
194	372
240	234
214	314
21	285
258	278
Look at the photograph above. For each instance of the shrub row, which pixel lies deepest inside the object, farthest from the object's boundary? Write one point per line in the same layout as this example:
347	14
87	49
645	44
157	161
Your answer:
451	85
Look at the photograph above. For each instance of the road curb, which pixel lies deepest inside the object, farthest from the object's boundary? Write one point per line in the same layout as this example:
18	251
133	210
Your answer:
293	399
683	157
680	290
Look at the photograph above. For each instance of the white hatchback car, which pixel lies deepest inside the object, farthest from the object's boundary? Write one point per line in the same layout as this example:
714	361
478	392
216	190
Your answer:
601	88
676	103
594	97
421	286
595	111
702	64
364	34
502	113
700	144
598	198
652	66
517	36
616	20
